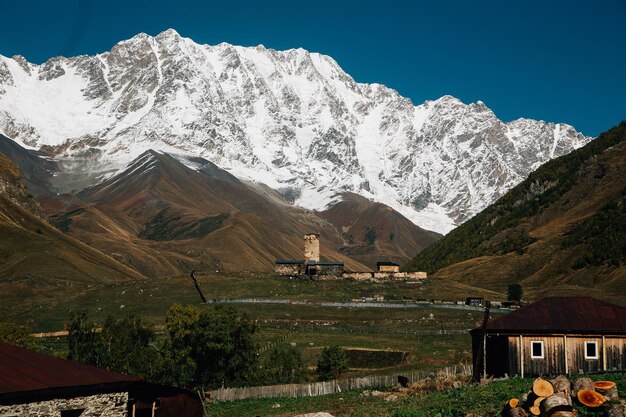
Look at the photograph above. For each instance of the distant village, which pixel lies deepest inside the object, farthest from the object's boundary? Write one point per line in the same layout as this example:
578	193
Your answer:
311	266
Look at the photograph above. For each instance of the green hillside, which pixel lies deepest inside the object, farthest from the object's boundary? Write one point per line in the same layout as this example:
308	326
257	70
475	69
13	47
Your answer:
500	228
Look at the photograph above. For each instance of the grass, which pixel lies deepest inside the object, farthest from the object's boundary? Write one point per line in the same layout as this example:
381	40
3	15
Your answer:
446	402
47	308
308	327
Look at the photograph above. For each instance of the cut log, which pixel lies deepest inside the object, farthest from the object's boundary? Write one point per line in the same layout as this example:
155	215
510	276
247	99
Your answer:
562	384
607	388
581	383
590	398
534	410
557	402
516	412
542	388
573	413
509	405
538	401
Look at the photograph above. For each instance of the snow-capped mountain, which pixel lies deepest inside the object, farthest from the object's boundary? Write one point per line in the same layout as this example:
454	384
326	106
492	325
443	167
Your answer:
293	120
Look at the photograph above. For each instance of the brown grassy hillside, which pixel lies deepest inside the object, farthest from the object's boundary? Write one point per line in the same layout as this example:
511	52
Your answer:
376	232
163	218
36	260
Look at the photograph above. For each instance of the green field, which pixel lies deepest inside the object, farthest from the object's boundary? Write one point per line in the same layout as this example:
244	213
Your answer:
47	308
415	332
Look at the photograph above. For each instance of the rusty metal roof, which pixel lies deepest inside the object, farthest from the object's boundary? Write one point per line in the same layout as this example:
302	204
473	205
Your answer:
584	315
23	371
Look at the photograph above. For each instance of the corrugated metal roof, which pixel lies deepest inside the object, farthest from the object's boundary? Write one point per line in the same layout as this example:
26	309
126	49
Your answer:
22	370
563	315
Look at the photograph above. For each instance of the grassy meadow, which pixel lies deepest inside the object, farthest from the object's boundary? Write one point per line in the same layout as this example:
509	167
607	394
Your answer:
415	333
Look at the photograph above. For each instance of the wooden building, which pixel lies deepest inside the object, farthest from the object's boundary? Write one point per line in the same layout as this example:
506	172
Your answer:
37	385
555	335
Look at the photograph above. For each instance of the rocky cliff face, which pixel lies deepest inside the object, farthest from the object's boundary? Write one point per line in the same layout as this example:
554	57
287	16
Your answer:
293	120
12	187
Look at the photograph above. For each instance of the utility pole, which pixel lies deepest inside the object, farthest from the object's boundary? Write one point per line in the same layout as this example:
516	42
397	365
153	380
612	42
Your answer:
193	276
480	361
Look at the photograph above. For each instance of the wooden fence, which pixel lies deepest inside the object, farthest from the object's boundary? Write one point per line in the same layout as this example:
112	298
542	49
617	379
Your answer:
331	387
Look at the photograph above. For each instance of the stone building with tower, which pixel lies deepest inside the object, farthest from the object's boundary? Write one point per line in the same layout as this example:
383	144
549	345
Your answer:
312	266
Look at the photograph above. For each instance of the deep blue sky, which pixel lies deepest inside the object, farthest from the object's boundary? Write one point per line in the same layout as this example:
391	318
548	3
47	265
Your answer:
560	61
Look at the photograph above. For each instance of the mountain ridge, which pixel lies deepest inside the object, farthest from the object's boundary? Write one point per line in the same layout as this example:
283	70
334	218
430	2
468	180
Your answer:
163	218
293	120
560	231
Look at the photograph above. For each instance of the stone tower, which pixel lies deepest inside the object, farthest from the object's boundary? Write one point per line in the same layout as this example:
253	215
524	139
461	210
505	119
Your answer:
311	247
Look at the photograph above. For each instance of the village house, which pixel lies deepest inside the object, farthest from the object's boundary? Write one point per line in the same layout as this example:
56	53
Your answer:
382	266
555	335
312	266
37	385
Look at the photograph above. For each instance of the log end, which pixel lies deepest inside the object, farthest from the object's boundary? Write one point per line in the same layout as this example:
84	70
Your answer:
590	398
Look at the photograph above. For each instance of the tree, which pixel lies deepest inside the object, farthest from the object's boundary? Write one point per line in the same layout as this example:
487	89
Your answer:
179	367
126	346
284	365
332	363
209	347
223	348
83	342
514	292
15	334
121	345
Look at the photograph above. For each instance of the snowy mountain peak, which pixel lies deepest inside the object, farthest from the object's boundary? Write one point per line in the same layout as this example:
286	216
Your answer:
292	119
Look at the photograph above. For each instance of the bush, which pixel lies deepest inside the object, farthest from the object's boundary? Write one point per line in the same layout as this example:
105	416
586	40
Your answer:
122	345
15	334
514	292
331	363
283	365
209	347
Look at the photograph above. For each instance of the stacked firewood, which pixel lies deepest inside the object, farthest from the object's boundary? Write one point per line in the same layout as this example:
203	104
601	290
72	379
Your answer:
556	398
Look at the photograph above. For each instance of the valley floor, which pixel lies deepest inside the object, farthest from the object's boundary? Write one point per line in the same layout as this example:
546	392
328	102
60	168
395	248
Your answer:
401	339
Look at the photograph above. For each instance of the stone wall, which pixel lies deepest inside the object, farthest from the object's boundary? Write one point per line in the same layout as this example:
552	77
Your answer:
411	276
289	269
358	276
102	405
332	270
385	276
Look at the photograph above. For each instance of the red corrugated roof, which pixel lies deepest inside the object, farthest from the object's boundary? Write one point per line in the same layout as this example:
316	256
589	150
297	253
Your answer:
563	315
22	370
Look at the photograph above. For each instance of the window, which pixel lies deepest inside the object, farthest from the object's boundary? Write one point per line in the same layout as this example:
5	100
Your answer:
591	350
536	349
